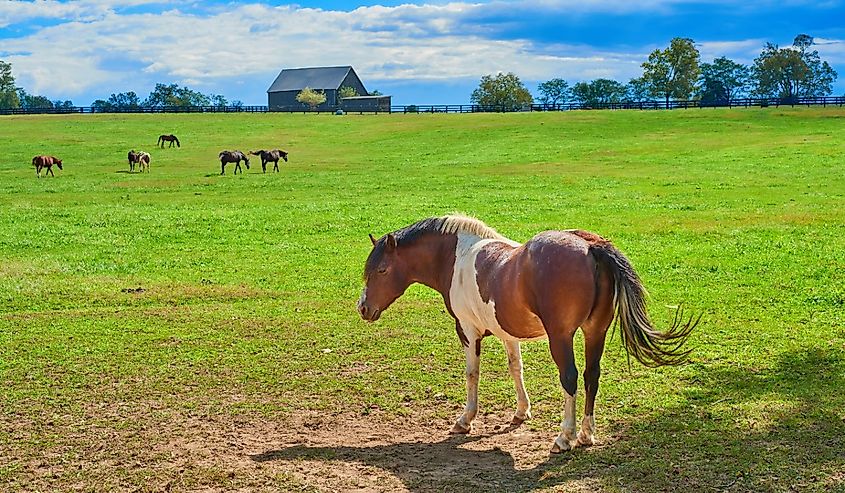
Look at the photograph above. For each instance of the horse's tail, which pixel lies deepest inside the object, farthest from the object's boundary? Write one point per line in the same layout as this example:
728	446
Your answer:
34	158
648	345
160	138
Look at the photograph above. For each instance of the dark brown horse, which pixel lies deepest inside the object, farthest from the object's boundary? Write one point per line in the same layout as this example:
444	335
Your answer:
546	288
140	158
41	162
233	157
267	156
167	138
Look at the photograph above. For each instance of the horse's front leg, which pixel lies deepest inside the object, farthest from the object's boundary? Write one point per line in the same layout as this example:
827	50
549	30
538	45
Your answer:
523	404
276	166
472	352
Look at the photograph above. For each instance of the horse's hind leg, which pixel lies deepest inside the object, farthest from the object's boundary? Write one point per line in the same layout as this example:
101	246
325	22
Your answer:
595	333
222	168
564	356
523	404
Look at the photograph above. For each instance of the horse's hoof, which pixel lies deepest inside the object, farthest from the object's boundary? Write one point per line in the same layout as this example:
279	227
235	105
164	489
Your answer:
459	429
559	447
518	420
585	440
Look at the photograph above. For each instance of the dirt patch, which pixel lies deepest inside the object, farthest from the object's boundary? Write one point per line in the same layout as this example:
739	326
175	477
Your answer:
306	452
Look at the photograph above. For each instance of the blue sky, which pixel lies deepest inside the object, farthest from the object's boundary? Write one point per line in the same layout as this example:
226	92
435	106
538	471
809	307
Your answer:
419	52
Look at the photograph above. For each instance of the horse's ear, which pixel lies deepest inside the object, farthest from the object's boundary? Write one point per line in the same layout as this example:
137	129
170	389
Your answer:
391	242
373	239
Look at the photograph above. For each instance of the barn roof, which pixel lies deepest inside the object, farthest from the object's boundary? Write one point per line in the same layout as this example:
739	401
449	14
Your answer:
320	78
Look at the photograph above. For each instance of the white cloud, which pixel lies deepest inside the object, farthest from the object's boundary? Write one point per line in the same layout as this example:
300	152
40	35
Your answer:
98	46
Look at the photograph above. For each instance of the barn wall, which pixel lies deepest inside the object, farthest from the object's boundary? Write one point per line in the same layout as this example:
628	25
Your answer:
286	101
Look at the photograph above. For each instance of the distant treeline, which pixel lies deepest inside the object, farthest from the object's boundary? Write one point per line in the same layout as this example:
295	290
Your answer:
677	74
164	95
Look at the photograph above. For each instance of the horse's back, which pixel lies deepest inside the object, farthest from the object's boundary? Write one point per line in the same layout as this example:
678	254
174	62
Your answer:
550	278
563	276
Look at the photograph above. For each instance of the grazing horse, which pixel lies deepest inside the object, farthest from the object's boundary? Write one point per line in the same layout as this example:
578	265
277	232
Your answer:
134	158
41	162
144	159
267	156
546	288
233	157
167	138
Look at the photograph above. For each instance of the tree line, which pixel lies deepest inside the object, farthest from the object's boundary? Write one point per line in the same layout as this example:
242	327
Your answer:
12	96
676	73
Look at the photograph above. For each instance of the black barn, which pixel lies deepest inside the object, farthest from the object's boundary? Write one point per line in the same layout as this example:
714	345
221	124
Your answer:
281	96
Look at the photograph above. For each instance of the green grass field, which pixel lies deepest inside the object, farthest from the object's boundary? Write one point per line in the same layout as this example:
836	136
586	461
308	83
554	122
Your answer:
242	356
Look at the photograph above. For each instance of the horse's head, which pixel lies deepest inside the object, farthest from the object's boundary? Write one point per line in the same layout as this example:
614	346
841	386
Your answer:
58	162
246	160
386	276
284	155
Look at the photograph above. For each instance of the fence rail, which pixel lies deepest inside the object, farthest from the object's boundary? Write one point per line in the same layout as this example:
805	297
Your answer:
459	108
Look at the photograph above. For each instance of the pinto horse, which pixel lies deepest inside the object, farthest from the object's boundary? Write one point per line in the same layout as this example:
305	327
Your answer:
167	138
41	162
546	288
141	158
233	157
267	156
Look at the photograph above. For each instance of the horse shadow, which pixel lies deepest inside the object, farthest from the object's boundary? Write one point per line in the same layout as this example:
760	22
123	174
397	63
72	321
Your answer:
431	466
709	441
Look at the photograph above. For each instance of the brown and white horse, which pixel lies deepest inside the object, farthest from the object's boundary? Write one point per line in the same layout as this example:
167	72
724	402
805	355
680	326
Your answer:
41	162
546	288
139	157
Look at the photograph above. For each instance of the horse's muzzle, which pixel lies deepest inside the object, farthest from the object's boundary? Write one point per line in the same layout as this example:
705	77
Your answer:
367	313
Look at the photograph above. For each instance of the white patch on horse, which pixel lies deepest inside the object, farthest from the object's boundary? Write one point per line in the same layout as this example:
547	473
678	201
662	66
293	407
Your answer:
475	315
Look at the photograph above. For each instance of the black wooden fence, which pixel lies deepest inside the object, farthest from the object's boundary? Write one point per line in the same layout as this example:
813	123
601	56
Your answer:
463	108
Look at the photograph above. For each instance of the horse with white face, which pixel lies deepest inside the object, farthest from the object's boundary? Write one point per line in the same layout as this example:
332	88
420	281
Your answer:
549	287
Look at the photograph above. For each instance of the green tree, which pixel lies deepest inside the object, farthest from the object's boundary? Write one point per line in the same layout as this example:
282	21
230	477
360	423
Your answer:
778	72
503	90
311	97
723	80
820	75
637	90
173	95
553	91
375	92
791	72
31	101
8	91
673	72
218	100
347	92
599	92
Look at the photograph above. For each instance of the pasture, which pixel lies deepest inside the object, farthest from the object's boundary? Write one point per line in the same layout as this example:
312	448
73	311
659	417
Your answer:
181	331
